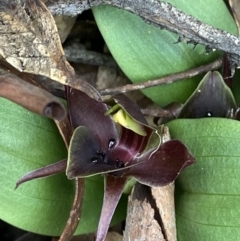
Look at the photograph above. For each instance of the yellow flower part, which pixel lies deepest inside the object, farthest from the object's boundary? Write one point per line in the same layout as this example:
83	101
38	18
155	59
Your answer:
120	116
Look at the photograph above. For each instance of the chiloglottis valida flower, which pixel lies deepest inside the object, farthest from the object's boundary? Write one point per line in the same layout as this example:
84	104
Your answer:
118	143
212	98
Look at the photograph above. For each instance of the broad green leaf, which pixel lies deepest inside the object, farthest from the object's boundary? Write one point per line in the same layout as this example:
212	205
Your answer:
145	52
208	192
27	142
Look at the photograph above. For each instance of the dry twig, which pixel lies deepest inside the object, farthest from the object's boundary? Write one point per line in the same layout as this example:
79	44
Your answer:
31	97
163	15
165	80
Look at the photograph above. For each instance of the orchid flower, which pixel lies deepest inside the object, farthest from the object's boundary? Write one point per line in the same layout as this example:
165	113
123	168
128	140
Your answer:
212	98
119	144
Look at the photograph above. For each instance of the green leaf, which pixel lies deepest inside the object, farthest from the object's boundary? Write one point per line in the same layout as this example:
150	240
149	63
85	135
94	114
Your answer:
27	142
145	52
207	192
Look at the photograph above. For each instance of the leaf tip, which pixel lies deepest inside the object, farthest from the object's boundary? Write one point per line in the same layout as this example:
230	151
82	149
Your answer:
17	185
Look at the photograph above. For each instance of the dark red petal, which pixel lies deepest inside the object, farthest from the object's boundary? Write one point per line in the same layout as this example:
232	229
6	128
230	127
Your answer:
129	146
164	165
46	171
113	191
212	98
83	148
85	111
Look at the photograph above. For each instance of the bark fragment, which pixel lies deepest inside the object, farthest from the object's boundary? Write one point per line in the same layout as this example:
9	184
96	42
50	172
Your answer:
141	223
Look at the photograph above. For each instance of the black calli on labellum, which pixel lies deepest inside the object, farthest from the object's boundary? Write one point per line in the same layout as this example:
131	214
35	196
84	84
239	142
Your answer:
133	150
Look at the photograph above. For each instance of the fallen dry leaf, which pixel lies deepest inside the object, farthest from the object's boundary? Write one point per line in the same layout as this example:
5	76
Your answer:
64	25
29	41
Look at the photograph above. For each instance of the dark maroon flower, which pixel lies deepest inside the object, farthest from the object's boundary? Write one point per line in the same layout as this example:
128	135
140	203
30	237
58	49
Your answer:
212	98
134	149
96	148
